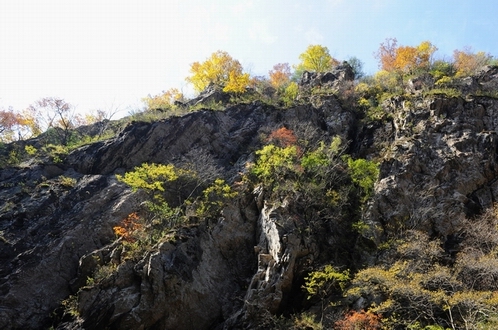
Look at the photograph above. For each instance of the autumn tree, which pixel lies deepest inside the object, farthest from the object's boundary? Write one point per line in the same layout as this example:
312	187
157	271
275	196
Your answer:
468	63
282	137
404	59
220	70
8	120
56	113
387	54
359	320
280	75
165	100
16	125
316	58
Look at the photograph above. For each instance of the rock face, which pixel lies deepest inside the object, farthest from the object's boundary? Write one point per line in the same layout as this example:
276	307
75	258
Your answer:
326	80
50	227
438	164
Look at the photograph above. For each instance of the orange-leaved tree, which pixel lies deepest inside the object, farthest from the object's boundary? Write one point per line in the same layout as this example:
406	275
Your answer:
220	70
128	227
359	320
282	137
280	75
404	59
16	125
8	121
468	63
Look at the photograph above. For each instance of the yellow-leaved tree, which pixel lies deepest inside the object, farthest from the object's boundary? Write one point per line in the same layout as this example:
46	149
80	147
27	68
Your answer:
220	70
165	100
316	58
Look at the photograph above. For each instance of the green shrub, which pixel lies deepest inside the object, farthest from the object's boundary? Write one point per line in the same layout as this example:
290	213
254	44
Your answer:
364	173
214	197
290	94
324	282
30	150
67	181
274	163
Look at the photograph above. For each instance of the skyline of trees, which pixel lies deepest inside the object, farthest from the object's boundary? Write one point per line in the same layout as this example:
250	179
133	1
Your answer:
222	70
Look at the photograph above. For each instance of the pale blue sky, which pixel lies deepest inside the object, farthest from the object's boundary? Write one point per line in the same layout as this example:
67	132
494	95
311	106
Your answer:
98	53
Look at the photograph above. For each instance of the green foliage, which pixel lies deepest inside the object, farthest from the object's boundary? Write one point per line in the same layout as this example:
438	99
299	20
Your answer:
30	150
444	81
316	58
67	181
306	321
151	177
274	163
56	152
413	288
364	173
324	282
319	159
168	188
357	66
70	306
214	197
442	69
290	94
449	92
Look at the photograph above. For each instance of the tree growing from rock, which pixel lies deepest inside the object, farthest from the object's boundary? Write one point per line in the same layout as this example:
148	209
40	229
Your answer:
468	63
404	59
8	121
316	58
53	112
165	100
280	75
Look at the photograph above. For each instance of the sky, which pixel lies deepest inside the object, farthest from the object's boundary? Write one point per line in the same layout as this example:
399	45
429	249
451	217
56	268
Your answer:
108	54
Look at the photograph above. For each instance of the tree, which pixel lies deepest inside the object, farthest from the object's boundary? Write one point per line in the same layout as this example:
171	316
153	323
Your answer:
280	75
56	113
163	101
357	66
405	59
220	70
316	58
8	120
17	125
468	63
387	54
237	82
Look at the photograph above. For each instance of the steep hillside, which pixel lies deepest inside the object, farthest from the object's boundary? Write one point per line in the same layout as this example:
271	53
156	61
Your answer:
254	258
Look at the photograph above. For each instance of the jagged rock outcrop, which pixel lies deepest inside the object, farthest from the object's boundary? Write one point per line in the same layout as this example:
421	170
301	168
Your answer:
212	94
330	80
439	165
225	135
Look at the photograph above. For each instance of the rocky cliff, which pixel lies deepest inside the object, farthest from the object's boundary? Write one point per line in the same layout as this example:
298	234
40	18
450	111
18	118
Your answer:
438	166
